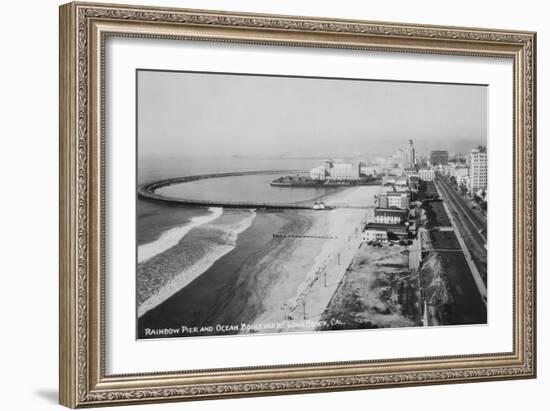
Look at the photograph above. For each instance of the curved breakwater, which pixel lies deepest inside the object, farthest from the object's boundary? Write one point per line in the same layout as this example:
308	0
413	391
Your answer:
149	191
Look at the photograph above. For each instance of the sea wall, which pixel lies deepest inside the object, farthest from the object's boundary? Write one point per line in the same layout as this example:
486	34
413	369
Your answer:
148	191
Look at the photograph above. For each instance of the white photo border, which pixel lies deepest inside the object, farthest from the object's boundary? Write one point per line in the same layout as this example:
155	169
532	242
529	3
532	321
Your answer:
125	355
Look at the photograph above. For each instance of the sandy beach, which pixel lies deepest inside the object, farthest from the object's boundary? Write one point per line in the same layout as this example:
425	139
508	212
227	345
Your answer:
302	289
265	282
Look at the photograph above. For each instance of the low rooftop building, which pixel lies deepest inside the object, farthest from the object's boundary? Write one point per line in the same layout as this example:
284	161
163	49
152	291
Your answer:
390	216
380	232
426	174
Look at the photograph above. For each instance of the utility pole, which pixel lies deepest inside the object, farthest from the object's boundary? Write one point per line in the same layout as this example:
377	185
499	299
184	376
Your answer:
338	258
304	306
325	276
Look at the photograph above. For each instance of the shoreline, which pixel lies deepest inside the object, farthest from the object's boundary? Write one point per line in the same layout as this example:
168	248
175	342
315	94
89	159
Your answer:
313	292
228	292
265	279
149	191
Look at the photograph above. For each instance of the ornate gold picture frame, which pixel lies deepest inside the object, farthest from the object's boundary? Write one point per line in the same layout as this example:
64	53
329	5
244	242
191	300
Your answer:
84	30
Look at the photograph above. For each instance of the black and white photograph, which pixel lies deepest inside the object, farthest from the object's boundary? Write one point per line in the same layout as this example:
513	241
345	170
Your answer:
279	204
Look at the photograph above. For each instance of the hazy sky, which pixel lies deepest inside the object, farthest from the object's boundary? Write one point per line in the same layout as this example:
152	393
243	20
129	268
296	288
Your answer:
219	115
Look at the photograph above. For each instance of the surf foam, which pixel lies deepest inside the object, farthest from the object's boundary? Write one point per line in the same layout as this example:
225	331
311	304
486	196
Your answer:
230	233
172	237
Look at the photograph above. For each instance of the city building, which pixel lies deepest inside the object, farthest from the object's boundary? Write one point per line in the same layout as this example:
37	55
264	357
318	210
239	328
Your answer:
379	232
461	174
458	158
410	171
443	169
333	171
375	233
370	170
390	216
344	171
439	157
426	174
477	170
328	164
398	200
396	181
396	162
414	182
393	200
410	159
318	173
381	200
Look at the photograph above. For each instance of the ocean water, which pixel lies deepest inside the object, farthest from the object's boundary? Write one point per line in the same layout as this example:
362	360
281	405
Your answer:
181	247
232	289
176	244
253	188
185	252
172	236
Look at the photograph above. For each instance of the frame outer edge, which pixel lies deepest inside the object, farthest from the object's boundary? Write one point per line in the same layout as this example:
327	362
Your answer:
77	385
534	203
68	326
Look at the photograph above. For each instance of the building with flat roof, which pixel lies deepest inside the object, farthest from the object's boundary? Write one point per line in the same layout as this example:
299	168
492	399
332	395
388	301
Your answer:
426	174
396	181
390	216
318	173
411	171
439	157
414	183
334	171
370	170
380	232
375	234
398	200
394	199
461	174
478	170
410	159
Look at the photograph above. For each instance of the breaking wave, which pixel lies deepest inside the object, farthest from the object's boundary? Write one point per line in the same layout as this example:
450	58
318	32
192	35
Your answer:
172	237
212	253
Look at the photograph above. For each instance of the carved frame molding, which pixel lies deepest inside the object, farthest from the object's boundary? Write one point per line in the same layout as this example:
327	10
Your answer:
83	30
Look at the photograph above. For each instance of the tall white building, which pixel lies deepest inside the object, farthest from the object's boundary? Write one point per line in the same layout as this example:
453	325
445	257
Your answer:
478	170
409	156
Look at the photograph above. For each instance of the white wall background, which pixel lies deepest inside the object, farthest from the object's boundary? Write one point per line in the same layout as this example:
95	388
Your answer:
28	207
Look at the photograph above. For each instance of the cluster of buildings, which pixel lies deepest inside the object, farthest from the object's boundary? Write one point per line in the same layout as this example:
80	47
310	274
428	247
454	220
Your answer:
469	170
472	173
402	159
393	216
401	176
332	170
